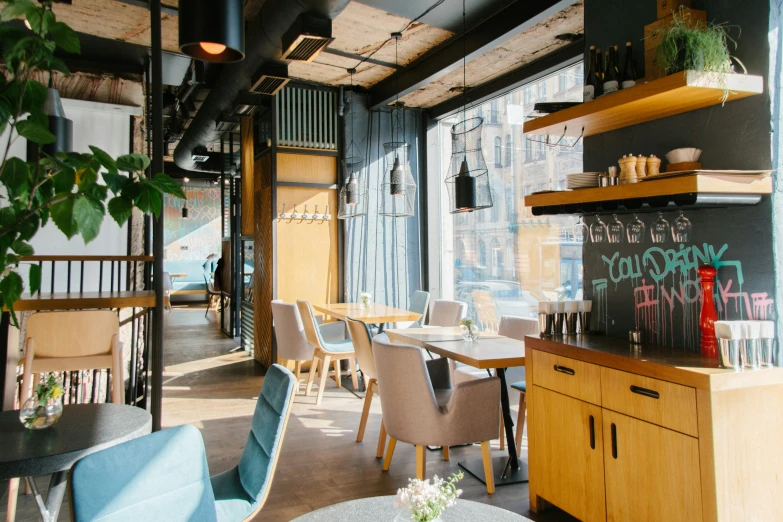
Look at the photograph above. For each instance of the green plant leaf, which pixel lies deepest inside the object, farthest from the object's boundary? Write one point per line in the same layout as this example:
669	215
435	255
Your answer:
86	177
33	97
62	215
18	8
115	182
35	279
149	200
120	210
105	160
16	175
55	64
34	131
89	214
167	185
65	37
64	180
133	162
97	191
11	286
22	249
27	228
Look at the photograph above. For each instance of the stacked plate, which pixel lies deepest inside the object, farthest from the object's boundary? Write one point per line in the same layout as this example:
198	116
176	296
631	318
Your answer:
582	180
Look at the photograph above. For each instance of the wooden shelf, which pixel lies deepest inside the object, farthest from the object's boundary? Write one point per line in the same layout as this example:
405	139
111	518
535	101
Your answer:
674	94
693	185
86	300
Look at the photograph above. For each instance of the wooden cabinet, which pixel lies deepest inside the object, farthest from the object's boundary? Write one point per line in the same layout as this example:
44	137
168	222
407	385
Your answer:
570	445
652	473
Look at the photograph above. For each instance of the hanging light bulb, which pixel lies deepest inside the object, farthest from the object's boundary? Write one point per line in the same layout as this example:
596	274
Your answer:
352	200
465	189
212	31
397	185
352	190
212	48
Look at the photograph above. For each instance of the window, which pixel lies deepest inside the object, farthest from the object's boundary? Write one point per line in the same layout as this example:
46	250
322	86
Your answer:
504	257
493	112
479	112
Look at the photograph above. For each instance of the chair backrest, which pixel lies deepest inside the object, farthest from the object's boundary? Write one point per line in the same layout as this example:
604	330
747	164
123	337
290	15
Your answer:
73	334
447	313
518	327
312	332
362	345
486	311
167	284
420	302
262	450
162	476
407	397
292	343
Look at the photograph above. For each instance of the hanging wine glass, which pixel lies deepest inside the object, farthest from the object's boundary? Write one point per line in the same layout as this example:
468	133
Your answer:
635	230
659	230
581	232
598	231
681	229
615	230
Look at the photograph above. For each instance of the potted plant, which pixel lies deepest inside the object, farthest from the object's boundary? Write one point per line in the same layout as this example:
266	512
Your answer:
426	502
44	408
63	188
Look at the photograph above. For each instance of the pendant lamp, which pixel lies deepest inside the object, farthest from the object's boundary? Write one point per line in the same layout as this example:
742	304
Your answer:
467	181
59	125
398	188
353	194
212	30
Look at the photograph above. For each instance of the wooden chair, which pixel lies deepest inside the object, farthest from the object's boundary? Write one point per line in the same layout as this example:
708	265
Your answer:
70	341
212	295
325	352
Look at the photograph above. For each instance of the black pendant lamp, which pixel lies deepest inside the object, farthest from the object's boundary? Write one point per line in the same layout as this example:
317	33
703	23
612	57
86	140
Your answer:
59	125
212	30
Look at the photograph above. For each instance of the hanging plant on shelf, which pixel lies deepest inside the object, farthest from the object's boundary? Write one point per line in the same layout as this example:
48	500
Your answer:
62	186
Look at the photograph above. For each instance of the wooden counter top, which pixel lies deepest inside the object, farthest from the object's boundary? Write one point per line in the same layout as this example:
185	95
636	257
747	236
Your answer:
668	364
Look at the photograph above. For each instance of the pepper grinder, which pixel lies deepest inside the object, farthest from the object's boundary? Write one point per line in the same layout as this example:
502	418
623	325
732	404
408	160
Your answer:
653	166
641	166
628	169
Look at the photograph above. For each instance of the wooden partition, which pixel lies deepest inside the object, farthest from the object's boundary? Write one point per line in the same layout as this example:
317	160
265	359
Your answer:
263	274
248	176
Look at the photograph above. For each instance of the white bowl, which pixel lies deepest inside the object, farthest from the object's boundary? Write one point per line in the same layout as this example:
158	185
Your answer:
686	155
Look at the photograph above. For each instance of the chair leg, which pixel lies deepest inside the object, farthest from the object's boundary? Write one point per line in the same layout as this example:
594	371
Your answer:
13	493
520	421
502	432
446	453
365	410
311	376
297	374
486	456
381	441
421	462
324	374
337	375
354	375
389	453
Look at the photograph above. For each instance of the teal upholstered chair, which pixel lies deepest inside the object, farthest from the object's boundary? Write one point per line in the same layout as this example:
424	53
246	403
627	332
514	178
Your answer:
420	302
241	491
162	476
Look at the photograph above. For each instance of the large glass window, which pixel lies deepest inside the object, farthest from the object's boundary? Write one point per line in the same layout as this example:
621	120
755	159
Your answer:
503	260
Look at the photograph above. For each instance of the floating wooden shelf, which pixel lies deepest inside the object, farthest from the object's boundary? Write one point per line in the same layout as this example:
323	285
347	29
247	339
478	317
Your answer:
694	190
674	94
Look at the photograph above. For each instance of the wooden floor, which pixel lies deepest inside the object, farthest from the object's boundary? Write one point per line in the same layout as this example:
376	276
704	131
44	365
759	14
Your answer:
207	385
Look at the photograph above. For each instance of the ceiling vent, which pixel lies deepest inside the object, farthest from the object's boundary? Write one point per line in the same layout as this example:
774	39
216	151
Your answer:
270	78
308	36
199	154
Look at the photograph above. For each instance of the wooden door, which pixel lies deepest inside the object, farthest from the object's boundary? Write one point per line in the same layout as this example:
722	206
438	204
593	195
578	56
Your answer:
652	473
566	455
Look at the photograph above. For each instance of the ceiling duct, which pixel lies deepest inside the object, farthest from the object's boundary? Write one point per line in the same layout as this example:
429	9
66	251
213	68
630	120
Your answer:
263	43
307	38
270	78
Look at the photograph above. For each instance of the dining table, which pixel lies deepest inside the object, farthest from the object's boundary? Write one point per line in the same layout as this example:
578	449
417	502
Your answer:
374	313
82	429
489	352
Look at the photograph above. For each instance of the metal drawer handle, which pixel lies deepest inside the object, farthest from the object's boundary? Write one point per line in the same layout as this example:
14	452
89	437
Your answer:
592	432
614	440
644	391
564	369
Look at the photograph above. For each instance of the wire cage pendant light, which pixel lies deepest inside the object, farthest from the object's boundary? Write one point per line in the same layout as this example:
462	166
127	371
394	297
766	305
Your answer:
352	199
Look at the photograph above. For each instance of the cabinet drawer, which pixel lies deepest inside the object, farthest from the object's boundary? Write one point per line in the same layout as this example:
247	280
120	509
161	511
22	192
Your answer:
663	403
570	377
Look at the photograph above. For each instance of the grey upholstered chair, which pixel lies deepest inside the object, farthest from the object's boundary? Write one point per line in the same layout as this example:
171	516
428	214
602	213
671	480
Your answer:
362	343
420	303
447	313
292	343
324	352
417	412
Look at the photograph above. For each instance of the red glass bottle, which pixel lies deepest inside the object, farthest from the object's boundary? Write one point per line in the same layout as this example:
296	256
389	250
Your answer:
709	345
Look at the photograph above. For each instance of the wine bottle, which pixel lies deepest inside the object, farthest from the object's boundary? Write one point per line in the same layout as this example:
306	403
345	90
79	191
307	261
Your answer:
616	61
599	73
629	69
610	76
590	80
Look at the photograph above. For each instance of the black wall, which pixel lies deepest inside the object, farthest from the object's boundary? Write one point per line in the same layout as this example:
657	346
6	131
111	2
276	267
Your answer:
738	240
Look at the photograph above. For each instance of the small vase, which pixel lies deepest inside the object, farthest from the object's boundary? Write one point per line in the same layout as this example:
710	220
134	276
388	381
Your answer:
34	416
404	515
365	304
470	334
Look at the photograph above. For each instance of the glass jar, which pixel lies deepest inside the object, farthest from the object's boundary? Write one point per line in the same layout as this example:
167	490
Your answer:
37	416
469	333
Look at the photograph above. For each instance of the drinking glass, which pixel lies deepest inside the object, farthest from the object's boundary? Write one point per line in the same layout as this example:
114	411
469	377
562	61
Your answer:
581	232
659	230
598	231
635	230
681	229
615	230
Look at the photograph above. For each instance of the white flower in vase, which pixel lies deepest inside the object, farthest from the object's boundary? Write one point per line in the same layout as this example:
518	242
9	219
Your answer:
426	502
365	299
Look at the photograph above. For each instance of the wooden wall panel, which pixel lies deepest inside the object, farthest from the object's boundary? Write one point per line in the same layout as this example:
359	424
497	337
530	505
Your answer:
248	175
306	168
262	270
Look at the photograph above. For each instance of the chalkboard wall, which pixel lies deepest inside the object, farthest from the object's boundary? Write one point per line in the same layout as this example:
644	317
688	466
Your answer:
655	287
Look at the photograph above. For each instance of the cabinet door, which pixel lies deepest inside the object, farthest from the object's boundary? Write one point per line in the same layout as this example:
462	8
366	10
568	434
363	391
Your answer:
566	456
652	473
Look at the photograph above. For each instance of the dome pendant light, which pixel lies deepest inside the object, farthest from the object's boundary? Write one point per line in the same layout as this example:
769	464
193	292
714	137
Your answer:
468	178
212	30
352	197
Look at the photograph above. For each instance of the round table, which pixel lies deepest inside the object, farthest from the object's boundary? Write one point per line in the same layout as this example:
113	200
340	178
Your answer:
82	429
383	509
